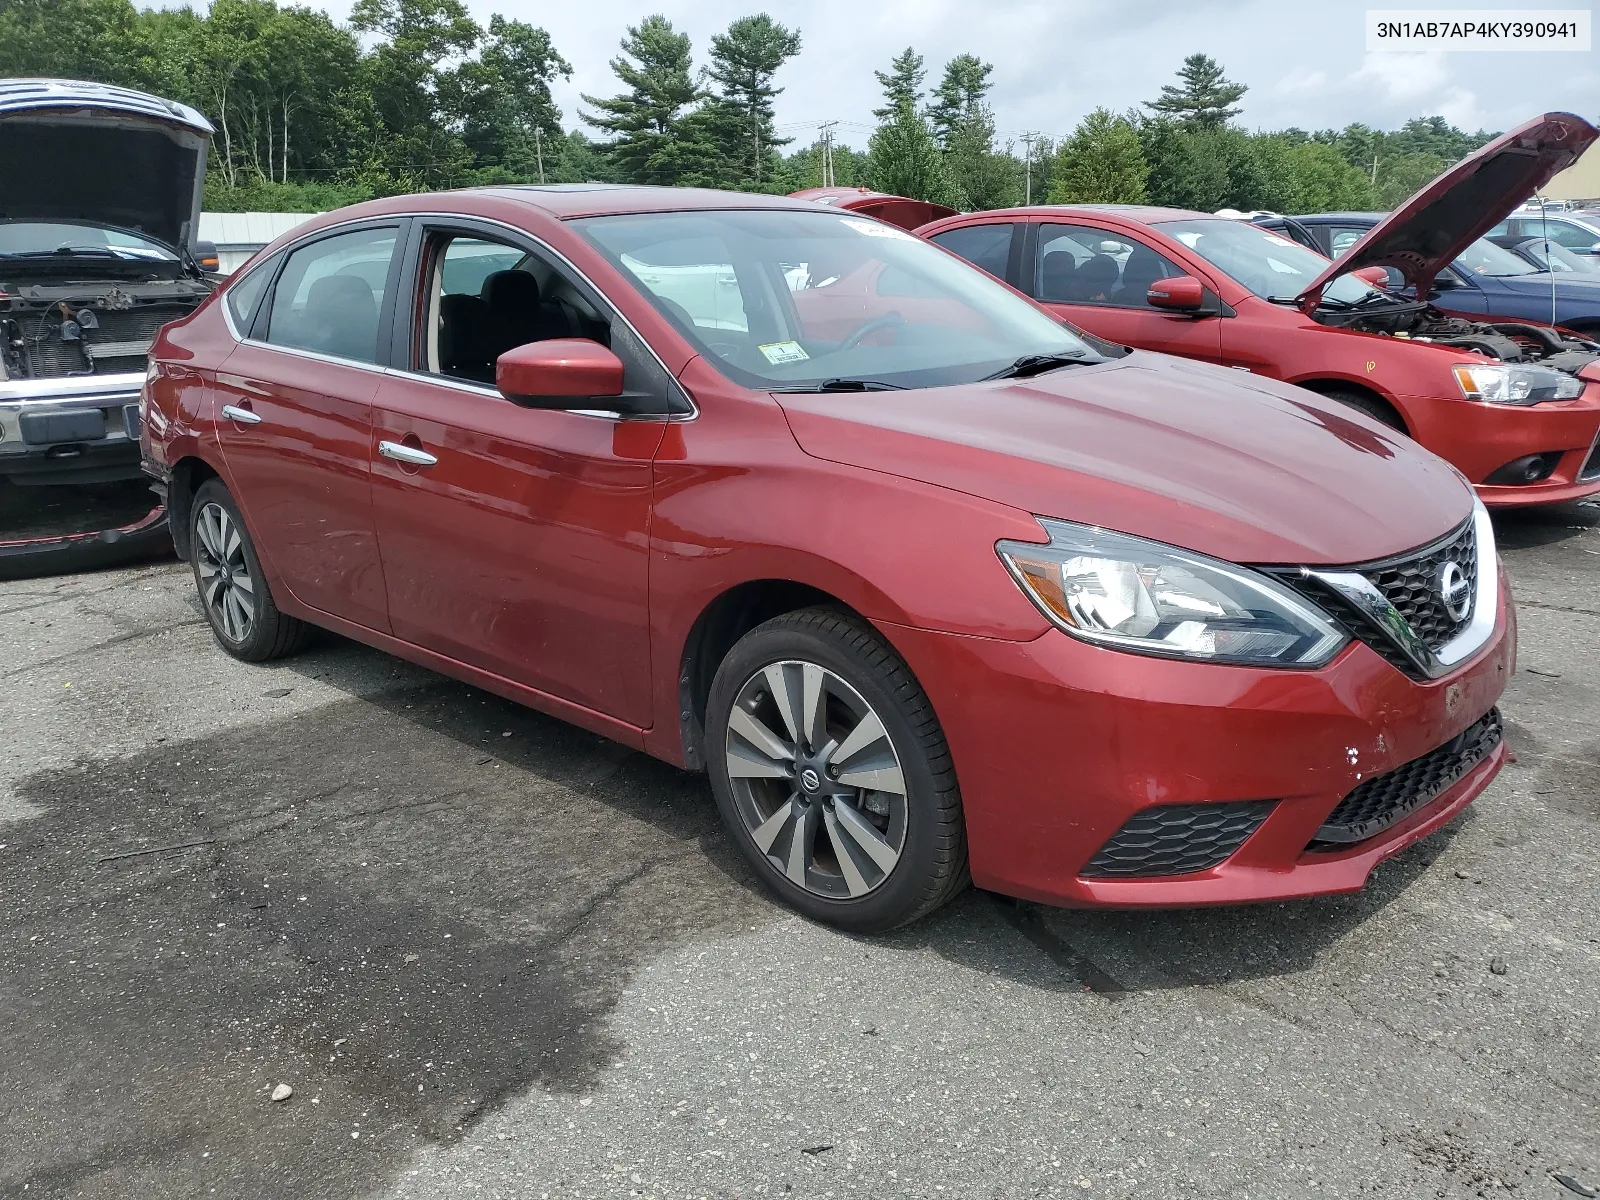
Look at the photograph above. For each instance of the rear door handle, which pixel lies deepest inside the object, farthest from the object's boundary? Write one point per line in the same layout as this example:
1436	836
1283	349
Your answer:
409	455
242	415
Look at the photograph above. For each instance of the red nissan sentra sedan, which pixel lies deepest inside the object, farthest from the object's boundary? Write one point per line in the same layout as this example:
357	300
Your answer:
924	582
1514	404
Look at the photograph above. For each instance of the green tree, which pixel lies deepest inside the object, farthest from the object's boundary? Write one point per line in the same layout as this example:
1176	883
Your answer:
901	84
982	175
961	95
906	161
73	39
744	61
1101	163
1325	181
1403	175
646	121
503	100
1202	96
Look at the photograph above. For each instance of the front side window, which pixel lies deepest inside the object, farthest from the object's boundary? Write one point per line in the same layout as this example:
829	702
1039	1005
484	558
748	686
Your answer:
1341	238
330	294
1078	264
1483	257
1572	236
1267	264
987	247
794	299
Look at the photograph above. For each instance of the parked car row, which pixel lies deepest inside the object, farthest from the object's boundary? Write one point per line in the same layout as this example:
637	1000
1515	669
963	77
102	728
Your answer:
933	584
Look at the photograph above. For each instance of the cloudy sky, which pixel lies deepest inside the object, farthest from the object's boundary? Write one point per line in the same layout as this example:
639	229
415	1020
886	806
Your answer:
1305	63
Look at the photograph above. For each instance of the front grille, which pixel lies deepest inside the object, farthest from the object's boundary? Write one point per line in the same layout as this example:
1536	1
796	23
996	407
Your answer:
1411	582
117	346
1384	799
1178	839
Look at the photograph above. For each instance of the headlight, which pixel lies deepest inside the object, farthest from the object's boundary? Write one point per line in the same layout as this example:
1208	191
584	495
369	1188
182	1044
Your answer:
1514	383
1150	598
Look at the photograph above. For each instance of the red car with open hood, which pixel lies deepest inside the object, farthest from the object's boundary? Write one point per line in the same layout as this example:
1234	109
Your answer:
1514	404
930	586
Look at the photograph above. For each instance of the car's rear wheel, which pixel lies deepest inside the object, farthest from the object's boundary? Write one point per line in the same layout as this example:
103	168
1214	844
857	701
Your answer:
233	590
831	770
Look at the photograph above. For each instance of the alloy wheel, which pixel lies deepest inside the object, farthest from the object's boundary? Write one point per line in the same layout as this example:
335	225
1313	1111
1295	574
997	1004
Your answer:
816	779
226	586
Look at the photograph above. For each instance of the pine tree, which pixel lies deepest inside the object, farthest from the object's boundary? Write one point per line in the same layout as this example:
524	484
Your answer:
959	96
647	120
1101	163
905	161
902	85
1202	100
744	61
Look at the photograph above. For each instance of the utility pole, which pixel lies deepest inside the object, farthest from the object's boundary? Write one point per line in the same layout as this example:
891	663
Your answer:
538	150
827	153
1027	168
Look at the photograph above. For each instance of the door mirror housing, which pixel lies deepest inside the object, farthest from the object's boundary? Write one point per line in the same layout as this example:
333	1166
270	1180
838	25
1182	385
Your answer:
205	257
561	373
1377	277
1180	293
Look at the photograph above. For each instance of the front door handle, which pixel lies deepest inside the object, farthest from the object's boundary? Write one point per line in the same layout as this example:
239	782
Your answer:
242	415
409	455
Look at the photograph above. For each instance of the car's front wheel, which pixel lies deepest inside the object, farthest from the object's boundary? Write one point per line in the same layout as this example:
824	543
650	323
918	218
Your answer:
233	590
831	770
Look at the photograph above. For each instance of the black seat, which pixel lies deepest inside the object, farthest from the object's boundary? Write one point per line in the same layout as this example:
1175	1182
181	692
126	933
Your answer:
342	317
1095	279
1055	275
464	338
1144	267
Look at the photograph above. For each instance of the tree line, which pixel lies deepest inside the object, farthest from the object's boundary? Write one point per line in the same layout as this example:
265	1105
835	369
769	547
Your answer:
414	95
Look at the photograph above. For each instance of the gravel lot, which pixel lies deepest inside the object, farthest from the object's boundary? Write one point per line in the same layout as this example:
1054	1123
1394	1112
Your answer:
496	956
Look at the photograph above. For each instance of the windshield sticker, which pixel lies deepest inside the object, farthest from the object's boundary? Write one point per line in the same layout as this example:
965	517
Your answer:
874	229
784	352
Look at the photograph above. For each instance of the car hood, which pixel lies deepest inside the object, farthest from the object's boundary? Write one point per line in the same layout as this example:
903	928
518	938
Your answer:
896	210
1187	453
103	155
1429	230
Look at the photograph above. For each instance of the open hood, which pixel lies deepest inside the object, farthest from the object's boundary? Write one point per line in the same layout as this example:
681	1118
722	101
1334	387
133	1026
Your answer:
896	210
1427	232
100	154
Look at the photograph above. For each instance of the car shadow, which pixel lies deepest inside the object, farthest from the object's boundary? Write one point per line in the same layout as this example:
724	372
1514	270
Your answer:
1544	525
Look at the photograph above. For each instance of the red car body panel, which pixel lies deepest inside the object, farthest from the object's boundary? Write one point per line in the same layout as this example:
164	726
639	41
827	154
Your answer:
1281	342
896	210
566	561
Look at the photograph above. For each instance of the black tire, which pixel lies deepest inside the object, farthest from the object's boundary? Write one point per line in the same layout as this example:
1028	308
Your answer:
269	633
932	864
1378	410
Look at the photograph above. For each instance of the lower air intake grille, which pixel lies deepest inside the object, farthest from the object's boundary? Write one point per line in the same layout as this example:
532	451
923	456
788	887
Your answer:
1384	799
1178	839
1591	466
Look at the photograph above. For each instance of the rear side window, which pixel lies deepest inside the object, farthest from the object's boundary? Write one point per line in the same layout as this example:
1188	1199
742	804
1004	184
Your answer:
244	295
330	294
1342	237
985	246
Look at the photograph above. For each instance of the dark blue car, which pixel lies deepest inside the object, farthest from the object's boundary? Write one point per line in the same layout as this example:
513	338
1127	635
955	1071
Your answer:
1486	280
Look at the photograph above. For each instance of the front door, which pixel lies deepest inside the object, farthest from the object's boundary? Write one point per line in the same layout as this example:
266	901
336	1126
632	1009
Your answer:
513	539
1097	280
294	421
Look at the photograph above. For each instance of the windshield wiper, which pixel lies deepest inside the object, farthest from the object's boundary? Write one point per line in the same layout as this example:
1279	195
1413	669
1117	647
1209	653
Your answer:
1036	364
96	251
843	385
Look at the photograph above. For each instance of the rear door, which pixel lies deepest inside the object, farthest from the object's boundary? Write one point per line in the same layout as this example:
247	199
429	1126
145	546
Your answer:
294	418
1098	279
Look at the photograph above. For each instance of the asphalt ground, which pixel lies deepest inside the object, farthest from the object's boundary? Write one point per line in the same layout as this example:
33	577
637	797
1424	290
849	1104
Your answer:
496	956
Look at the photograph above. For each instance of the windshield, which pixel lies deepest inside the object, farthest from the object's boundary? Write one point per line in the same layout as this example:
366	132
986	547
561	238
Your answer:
1267	263
790	299
1483	257
48	237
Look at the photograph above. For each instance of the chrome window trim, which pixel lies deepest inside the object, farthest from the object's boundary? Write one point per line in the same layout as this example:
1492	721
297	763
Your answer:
1358	590
544	246
483	389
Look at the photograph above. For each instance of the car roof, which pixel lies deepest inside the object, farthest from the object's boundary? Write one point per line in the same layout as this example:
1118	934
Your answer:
1142	214
563	200
1329	218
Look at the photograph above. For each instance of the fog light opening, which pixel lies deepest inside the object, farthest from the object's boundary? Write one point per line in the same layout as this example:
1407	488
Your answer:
1530	468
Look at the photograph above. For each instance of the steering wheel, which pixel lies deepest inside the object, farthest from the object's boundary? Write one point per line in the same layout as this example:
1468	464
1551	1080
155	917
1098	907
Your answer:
887	321
727	351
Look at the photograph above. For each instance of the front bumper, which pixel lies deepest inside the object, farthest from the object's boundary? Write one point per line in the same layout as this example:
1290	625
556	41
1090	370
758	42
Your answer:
1058	743
80	429
1479	439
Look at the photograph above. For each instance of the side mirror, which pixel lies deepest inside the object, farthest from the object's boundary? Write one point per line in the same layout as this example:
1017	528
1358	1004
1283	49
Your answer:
559	373
1594	249
1375	276
205	253
1180	293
